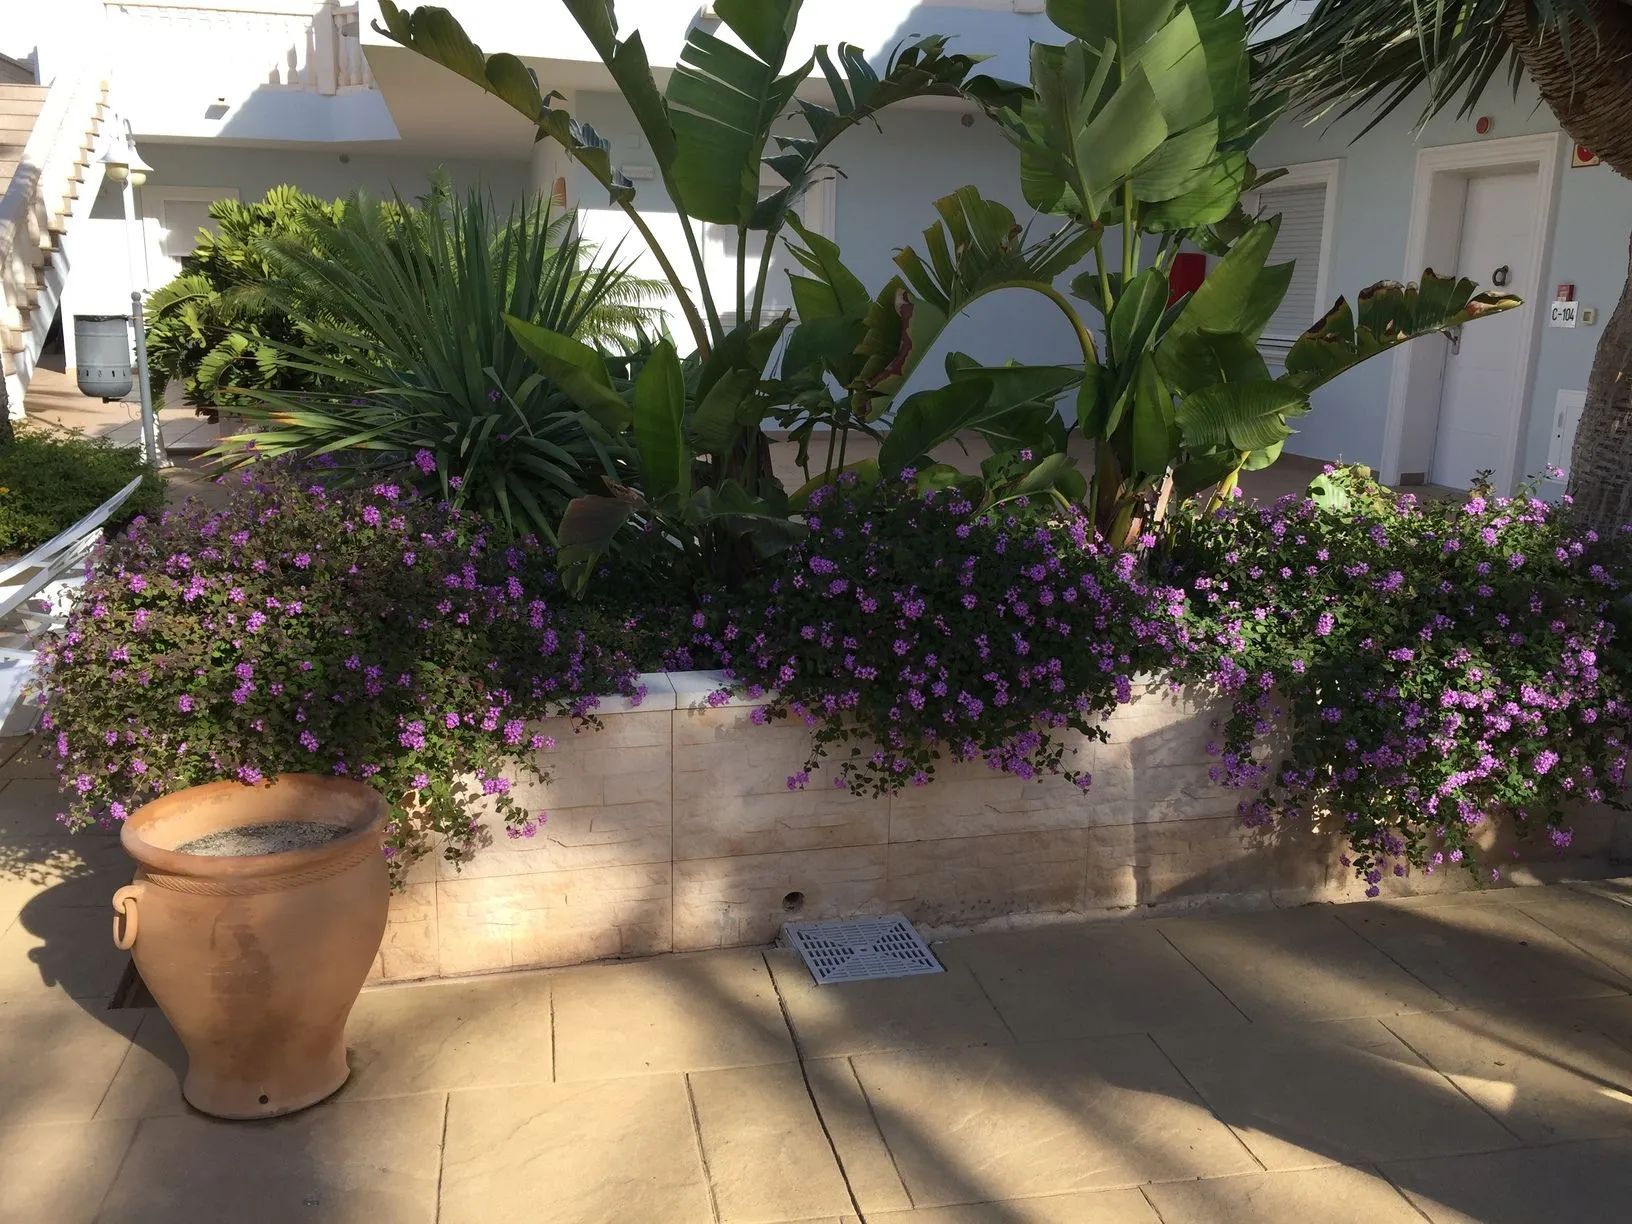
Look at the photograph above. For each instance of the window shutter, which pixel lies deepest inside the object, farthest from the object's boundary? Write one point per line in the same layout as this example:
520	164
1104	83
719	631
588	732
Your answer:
1303	226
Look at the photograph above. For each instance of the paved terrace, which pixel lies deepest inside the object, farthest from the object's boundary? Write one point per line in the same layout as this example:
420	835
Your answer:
1464	1057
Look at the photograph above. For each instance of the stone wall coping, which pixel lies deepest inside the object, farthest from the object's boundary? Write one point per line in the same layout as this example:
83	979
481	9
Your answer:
690	690
656	697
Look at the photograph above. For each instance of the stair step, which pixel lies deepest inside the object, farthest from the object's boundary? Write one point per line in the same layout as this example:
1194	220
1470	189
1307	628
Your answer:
22	92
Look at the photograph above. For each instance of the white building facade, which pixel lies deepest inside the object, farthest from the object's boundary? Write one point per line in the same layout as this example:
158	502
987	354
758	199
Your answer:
231	98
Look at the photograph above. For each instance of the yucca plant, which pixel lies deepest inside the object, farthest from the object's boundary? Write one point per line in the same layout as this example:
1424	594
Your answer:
403	313
728	111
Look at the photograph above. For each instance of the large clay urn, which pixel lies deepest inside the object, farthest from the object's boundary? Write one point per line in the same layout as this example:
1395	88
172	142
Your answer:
257	959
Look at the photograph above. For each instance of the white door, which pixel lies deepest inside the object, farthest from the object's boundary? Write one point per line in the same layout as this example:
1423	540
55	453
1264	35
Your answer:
173	216
1477	428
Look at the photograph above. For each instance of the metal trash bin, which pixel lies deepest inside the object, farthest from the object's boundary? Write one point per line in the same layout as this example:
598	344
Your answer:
103	344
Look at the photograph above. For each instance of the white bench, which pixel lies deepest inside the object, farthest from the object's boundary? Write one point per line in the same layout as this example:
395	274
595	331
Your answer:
36	592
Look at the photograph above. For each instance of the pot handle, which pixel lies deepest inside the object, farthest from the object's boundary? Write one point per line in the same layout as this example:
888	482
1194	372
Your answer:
124	918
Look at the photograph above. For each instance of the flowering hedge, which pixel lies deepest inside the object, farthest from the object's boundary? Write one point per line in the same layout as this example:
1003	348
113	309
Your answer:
353	631
1426	669
911	626
1432	666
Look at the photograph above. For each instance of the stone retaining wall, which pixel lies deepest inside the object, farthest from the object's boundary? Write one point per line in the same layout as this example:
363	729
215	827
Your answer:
672	829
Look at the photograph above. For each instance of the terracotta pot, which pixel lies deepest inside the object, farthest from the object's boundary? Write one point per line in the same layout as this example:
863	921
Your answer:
256	960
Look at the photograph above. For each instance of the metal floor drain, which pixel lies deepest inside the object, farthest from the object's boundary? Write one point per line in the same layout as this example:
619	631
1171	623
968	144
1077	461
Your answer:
861	949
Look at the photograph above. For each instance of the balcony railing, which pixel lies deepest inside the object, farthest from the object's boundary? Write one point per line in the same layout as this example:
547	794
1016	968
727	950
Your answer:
313	46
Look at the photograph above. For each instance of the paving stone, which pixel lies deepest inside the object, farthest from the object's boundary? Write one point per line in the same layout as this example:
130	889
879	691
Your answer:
29	759
1341	1092
1595	918
457	1034
1099	1207
1068	982
29	807
604	1151
938	1009
992	1123
148	1084
1546	1075
848	1118
59	1172
52	953
1298	964
680	1013
352	1162
53	872
1482	953
58	1059
763	1146
1572	1183
400	1041
1331	1196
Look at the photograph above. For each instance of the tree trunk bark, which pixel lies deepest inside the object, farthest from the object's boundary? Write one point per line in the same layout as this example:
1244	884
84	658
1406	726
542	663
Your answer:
1601	464
1590	91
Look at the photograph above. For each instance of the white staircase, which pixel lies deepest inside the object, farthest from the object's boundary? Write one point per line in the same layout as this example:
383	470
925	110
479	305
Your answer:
49	177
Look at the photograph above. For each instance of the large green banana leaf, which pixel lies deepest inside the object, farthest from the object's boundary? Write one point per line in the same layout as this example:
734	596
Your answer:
1390	314
1151	98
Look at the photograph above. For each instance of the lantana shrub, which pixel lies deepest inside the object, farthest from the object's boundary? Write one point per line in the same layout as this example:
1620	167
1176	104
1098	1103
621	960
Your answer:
352	631
1433	666
911	627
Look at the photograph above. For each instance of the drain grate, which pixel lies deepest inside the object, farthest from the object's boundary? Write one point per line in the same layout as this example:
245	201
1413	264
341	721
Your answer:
861	949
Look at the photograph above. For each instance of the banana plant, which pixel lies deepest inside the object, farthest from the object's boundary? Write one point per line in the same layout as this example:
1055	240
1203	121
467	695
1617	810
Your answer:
1142	125
713	127
728	111
674	509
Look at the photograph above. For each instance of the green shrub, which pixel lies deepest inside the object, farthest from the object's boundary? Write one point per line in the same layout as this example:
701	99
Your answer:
404	309
1411	673
50	480
357	631
213	329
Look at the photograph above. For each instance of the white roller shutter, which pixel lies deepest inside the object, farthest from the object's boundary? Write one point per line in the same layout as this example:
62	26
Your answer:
1300	241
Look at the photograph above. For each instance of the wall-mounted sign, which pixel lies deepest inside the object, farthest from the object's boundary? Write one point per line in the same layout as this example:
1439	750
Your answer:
1564	314
1581	156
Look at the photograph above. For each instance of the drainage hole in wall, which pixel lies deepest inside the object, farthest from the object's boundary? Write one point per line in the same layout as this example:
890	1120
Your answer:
793	902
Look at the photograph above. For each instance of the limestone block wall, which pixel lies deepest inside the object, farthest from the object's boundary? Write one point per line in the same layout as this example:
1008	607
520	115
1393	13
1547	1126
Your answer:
671	828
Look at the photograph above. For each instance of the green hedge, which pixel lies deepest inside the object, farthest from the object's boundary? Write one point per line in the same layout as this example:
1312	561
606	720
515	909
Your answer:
50	479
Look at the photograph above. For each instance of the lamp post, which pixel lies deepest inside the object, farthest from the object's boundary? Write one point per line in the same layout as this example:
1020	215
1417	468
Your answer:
124	165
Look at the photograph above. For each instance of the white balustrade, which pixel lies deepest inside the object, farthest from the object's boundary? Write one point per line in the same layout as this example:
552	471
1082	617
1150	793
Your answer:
311	45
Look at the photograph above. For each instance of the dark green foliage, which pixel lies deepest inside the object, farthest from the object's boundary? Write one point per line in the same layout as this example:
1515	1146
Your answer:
402	319
50	480
215	327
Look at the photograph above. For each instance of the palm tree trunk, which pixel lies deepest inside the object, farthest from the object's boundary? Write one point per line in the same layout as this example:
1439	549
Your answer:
1590	91
1589	88
1601	465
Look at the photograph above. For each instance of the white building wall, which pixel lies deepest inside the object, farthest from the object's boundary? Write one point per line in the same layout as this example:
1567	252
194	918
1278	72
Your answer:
1592	219
885	200
99	282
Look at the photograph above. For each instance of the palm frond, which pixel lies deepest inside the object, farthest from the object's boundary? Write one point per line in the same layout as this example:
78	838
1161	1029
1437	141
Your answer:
1373	56
401	318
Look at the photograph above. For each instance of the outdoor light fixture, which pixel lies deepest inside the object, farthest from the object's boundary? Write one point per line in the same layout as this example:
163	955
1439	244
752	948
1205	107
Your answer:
124	165
120	160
